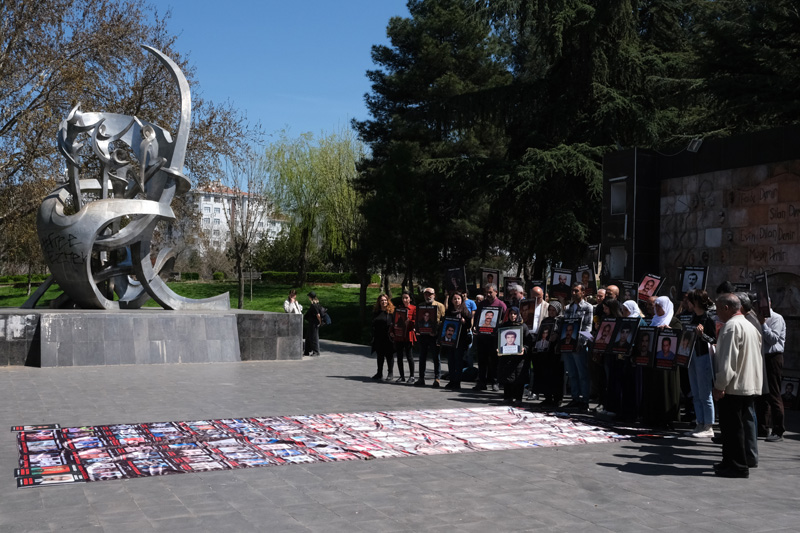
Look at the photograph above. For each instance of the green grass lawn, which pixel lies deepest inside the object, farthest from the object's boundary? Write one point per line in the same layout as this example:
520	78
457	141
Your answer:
342	304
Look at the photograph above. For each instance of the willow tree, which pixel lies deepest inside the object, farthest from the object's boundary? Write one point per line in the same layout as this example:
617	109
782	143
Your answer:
311	181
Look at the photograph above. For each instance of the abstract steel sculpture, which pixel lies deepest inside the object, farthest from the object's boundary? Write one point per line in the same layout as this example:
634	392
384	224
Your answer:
104	244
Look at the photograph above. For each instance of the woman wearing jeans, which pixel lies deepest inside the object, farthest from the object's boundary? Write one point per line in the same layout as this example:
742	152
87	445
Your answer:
701	373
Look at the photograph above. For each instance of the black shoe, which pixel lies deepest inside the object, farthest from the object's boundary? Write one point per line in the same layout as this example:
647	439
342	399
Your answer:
436	384
377	377
479	386
419	383
732	472
573	403
401	379
390	377
774	438
449	385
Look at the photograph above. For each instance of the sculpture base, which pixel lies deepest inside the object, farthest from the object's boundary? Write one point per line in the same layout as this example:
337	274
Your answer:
49	338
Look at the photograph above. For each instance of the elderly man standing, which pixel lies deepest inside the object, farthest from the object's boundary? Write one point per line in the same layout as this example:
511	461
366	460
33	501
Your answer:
737	382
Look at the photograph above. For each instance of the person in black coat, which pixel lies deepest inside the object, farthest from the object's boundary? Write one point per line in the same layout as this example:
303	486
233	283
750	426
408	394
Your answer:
382	342
512	369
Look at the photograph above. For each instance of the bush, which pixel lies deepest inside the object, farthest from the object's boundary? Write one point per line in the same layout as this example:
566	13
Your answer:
288	278
190	276
219	276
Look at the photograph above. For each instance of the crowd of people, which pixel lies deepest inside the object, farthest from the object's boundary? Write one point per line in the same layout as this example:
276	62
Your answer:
733	374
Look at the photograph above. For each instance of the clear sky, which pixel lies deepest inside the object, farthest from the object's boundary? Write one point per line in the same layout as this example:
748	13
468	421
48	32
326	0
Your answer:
299	64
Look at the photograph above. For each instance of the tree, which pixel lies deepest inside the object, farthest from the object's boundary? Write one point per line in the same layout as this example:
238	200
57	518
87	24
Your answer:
55	54
311	181
246	210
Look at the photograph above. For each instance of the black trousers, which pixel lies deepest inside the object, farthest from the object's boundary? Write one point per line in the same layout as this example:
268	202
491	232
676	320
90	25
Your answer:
427	345
403	350
487	359
733	415
770	406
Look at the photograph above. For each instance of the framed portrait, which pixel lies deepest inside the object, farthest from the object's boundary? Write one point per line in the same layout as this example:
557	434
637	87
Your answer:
592	256
455	280
488	320
490	276
561	284
527	311
693	278
789	389
508	281
426	320
569	334
649	286
761	288
643	347
686	338
400	322
548	334
625	336
666	345
628	290
509	341
450	328
605	335
585	274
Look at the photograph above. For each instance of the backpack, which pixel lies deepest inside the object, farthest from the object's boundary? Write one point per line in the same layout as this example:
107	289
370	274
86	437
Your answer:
326	318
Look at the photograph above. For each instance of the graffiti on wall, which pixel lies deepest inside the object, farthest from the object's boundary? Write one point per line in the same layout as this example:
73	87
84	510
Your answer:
738	222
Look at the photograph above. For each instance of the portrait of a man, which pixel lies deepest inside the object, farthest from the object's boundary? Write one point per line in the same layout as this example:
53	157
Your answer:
666	353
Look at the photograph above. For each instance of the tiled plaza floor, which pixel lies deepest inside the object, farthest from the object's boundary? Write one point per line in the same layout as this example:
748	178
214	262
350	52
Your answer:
658	484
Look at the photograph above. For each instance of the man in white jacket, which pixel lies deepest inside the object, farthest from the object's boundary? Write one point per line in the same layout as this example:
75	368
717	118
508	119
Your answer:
737	382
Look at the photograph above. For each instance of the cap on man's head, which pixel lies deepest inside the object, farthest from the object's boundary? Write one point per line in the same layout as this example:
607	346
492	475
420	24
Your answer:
312	294
428	290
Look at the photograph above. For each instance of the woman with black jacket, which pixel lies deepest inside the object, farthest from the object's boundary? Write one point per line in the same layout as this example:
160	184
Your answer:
382	343
456	310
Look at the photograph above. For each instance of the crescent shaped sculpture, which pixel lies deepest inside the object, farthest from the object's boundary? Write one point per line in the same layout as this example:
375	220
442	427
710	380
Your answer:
96	233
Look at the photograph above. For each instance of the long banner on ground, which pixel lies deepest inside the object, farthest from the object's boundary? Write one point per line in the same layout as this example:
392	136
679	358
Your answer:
51	455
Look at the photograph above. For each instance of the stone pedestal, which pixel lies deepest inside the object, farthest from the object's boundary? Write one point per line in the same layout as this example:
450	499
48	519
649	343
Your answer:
49	338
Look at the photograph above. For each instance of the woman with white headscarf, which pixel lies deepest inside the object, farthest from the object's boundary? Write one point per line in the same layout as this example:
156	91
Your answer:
661	394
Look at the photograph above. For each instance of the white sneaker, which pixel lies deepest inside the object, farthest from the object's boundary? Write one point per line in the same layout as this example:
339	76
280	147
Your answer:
691	432
706	432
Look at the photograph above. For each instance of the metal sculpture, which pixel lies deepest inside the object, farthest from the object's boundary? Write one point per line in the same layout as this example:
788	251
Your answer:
96	233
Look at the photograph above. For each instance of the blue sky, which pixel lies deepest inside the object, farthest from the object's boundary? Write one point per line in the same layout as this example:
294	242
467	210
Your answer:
299	64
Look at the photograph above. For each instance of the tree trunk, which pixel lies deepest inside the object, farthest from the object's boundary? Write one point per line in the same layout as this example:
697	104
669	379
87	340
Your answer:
305	234
364	279
241	279
30	274
385	280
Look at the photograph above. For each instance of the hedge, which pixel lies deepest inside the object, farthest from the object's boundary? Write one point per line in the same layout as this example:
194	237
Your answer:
289	278
219	276
190	276
23	278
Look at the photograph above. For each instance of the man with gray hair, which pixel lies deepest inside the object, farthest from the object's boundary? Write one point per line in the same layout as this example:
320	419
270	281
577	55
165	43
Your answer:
737	382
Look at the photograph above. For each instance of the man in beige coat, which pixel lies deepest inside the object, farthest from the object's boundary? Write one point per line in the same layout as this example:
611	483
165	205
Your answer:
737	382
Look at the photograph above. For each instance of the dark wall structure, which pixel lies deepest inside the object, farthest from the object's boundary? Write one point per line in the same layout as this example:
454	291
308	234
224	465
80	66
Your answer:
733	206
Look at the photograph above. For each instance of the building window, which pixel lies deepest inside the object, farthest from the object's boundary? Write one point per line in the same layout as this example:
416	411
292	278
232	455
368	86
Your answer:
206	220
207	210
216	233
217	210
216	222
216	199
206	198
619	198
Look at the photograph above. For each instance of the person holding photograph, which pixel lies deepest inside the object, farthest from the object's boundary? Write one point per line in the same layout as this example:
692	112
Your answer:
487	344
547	366
456	310
577	361
314	319
662	391
382	344
428	343
512	369
610	388
403	345
701	372
770	405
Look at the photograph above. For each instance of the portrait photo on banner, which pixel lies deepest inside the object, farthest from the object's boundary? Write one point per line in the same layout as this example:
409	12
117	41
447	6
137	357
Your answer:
626	336
585	274
569	334
561	284
649	286
547	334
665	347
487	321
450	327
643	347
490	276
509	341
686	338
455	280
426	320
693	278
